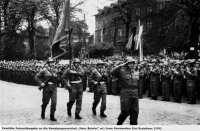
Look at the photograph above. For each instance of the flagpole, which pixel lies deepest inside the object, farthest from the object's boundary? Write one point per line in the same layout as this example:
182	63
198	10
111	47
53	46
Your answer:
69	32
140	44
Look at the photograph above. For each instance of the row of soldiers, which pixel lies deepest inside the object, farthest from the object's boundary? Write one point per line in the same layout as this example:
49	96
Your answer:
73	79
130	79
171	80
175	80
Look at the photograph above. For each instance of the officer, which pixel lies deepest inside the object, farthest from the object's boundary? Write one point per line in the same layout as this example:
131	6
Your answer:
48	81
128	76
99	76
73	82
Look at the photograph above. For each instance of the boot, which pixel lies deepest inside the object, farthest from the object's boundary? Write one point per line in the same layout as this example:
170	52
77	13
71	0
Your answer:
69	110
102	114
94	111
43	112
119	122
77	116
52	118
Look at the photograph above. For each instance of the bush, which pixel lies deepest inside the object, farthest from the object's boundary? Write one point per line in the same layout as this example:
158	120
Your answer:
101	50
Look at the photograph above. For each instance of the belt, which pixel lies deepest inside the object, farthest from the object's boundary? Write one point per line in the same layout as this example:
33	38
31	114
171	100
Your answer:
51	83
102	82
76	82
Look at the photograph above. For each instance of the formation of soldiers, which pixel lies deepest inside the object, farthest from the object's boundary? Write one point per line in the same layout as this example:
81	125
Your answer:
173	80
165	79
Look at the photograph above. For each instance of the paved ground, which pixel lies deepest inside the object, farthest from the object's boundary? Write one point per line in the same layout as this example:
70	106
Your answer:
20	105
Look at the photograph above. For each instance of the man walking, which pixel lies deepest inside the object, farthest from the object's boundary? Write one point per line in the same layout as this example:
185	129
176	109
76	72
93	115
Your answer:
128	77
73	80
99	76
48	81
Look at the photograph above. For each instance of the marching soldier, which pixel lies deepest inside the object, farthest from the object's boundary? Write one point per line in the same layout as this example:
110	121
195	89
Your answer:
99	76
73	80
128	76
48	82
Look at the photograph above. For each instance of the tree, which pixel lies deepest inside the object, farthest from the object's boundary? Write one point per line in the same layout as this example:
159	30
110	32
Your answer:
51	9
192	9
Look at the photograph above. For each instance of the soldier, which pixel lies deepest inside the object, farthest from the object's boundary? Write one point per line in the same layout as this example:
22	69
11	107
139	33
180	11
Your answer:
141	82
154	82
73	80
191	77
99	77
197	70
178	78
48	81
128	76
166	83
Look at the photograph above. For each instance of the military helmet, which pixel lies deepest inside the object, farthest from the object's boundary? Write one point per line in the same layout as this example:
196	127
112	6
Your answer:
101	62
130	60
50	60
76	60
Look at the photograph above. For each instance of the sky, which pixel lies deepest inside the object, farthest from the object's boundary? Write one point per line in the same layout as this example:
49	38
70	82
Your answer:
90	8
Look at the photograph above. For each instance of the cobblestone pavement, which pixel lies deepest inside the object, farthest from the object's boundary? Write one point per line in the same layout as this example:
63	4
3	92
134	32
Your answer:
20	105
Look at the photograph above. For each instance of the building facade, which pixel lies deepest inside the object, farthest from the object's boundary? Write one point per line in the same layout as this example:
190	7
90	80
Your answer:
114	23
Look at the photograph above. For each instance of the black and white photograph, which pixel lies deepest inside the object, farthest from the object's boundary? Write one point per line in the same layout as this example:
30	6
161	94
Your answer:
100	63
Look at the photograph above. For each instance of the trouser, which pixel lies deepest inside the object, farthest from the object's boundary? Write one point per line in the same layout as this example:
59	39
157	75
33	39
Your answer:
141	87
129	107
100	94
191	91
75	95
166	90
178	90
154	87
49	93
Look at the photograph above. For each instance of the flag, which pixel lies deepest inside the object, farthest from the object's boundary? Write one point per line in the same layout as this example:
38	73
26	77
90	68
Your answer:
130	41
138	37
138	41
61	37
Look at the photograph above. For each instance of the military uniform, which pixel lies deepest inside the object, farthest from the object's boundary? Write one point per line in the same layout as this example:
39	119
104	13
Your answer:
142	82
154	84
178	86
191	87
73	80
48	82
100	91
166	85
128	80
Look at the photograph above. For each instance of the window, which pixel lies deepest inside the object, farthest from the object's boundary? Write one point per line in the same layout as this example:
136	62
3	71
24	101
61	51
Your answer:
149	10
148	25
137	11
120	33
161	5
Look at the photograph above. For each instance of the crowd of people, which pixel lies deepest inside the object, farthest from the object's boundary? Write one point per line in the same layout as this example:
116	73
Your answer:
173	80
165	79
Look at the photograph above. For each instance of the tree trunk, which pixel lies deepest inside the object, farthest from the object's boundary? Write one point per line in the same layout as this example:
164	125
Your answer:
115	33
5	6
194	31
127	26
31	32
